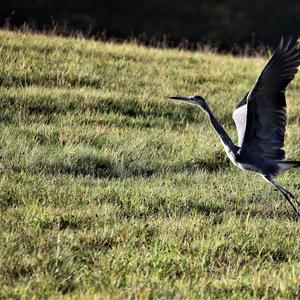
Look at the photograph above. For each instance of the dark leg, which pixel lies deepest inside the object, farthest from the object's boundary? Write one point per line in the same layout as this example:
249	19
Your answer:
291	195
287	195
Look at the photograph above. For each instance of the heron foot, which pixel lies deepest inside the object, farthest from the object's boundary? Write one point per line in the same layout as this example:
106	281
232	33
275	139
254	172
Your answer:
297	217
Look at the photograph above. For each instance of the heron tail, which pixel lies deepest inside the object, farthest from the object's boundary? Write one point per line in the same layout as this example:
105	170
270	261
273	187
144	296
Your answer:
288	164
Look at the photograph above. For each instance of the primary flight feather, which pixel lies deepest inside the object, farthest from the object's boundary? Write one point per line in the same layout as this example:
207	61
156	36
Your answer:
260	119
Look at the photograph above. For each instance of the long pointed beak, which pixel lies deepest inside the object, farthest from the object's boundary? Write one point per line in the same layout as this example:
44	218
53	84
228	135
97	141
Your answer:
181	98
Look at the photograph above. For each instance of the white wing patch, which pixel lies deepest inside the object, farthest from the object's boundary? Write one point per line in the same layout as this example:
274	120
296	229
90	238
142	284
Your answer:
240	117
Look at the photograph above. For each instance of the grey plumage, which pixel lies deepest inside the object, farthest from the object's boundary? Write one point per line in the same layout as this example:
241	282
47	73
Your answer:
260	119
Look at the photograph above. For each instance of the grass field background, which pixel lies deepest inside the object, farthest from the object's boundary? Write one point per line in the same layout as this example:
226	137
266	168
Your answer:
110	190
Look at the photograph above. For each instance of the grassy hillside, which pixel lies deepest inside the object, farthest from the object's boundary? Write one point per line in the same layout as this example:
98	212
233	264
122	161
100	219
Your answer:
110	190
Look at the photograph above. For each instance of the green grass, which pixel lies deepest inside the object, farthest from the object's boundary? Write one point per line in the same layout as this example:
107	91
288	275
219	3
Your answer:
110	190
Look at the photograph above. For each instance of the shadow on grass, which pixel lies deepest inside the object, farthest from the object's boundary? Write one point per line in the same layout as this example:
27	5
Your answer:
209	165
242	212
105	168
87	165
218	214
136	113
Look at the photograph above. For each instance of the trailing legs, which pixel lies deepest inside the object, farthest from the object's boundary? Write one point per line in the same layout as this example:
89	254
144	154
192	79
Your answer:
287	195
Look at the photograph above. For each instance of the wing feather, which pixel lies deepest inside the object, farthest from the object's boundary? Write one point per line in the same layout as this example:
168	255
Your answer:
265	120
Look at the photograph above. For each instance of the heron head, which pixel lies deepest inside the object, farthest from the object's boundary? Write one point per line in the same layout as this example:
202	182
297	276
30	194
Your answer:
198	100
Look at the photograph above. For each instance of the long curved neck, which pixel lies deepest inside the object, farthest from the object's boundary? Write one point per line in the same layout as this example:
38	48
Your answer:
225	139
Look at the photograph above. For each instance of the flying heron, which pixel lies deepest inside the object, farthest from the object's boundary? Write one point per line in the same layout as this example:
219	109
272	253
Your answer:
260	119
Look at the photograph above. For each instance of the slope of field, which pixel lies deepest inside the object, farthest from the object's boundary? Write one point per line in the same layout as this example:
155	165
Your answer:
110	190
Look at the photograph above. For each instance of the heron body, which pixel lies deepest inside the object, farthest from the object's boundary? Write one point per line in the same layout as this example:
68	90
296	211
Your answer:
260	119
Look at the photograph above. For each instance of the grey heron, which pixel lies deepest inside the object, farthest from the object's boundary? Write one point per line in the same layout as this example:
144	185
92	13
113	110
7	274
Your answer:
260	119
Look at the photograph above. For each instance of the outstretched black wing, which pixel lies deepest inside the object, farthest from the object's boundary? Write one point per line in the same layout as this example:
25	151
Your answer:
263	111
